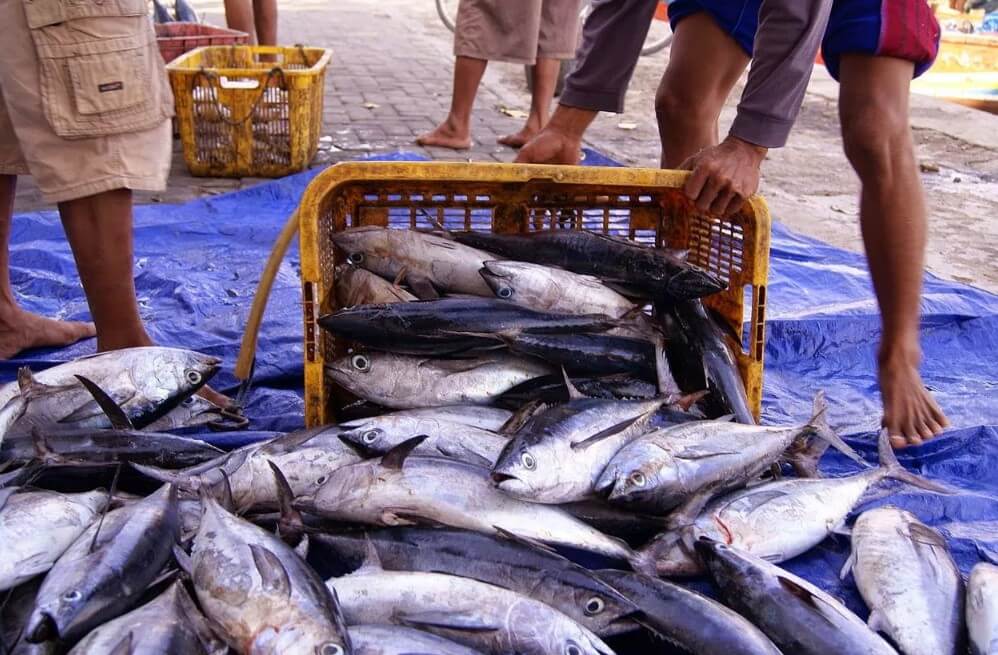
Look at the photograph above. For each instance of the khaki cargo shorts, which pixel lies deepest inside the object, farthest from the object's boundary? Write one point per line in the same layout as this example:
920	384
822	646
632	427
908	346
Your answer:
84	99
517	31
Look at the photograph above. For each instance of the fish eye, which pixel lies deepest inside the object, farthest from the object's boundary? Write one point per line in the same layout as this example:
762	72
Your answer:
573	649
72	596
193	376
187	402
361	363
329	649
594	606
370	436
355	258
637	478
321	480
528	461
505	292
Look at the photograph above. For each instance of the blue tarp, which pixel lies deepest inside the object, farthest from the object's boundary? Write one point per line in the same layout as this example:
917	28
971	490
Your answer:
198	265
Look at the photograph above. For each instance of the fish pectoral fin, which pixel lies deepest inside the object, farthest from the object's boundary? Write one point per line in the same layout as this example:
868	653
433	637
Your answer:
421	286
466	620
466	455
91	409
274	576
398	516
847	567
526	541
830	612
119	420
124	645
924	535
798	591
609	432
876	621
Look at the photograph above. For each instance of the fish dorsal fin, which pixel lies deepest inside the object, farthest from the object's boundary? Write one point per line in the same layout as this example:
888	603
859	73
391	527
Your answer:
395	458
372	560
573	392
273	575
119	420
521	416
291	525
107	506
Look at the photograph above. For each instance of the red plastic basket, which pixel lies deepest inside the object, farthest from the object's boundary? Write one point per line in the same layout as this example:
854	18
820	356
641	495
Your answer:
175	39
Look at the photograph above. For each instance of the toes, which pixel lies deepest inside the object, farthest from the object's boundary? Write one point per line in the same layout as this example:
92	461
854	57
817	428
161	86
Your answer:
898	442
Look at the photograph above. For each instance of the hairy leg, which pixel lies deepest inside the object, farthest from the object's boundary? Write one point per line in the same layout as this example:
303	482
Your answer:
873	107
21	330
455	131
704	65
545	74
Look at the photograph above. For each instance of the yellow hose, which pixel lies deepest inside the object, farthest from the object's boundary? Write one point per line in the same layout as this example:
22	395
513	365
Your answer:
247	351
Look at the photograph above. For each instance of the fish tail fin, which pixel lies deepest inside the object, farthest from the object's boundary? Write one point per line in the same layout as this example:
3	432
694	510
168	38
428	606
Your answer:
891	468
643	561
815	438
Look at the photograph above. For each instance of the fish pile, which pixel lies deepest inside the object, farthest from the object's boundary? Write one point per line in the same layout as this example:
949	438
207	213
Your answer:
560	519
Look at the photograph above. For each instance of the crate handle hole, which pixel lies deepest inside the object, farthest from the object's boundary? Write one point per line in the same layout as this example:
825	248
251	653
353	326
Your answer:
239	83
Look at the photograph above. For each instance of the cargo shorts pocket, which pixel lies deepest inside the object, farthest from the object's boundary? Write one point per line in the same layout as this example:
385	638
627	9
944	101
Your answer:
100	69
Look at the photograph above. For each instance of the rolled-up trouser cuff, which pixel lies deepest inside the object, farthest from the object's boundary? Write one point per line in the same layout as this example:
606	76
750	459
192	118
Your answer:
610	101
761	130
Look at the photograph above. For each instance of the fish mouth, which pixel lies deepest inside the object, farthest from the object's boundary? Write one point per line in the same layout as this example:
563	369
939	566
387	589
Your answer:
498	478
695	283
42	628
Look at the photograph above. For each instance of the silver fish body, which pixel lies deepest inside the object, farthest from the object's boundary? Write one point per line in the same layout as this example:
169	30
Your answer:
906	575
403	381
191	412
145	382
358	286
559	454
379	434
448	492
550	289
446	264
982	609
96	580
162	626
36	528
798	617
263	596
776	520
477	416
399	640
480	615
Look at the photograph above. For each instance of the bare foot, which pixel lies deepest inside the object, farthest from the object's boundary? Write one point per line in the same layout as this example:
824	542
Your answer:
551	146
21	330
518	139
446	135
911	414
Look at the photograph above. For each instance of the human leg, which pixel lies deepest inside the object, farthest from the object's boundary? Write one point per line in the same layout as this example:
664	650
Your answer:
19	329
239	16
705	62
873	107
545	79
455	131
265	21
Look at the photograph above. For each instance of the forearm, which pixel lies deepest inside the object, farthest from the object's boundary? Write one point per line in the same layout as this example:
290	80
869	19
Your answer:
790	32
612	39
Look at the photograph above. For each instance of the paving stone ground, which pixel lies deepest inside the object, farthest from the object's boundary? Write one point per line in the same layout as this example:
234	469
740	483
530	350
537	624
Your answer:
390	80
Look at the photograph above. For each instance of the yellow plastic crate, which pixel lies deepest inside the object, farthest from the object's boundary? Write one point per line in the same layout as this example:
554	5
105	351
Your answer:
642	204
239	116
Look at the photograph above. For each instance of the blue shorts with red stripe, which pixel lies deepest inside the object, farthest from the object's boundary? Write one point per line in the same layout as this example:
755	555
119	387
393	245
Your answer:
905	29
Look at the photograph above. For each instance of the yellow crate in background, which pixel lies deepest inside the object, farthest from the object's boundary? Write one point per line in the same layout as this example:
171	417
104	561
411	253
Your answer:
249	111
645	205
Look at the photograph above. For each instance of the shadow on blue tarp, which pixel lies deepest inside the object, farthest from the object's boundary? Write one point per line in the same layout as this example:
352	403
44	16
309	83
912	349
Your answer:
197	266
